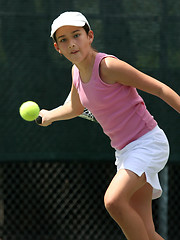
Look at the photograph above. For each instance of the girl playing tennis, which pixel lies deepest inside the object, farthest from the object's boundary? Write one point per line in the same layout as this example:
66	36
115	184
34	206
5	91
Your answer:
107	87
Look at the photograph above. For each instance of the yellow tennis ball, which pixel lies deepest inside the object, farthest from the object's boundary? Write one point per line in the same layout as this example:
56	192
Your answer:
29	110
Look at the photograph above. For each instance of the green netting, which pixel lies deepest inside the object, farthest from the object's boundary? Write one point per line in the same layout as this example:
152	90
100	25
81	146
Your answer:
143	33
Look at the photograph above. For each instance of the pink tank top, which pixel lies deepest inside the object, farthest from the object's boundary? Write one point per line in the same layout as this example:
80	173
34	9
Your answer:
118	108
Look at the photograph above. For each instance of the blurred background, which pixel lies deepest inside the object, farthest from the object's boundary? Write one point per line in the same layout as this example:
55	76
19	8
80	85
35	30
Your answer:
52	180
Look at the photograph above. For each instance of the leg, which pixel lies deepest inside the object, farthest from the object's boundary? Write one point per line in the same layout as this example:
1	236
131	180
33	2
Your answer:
141	202
117	202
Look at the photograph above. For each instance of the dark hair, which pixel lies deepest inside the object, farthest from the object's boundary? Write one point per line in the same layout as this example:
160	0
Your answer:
86	28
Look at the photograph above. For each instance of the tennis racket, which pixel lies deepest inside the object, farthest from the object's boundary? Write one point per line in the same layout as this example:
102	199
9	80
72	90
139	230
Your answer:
86	114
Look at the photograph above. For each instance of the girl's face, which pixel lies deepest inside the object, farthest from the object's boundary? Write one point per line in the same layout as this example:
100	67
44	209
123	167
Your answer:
74	43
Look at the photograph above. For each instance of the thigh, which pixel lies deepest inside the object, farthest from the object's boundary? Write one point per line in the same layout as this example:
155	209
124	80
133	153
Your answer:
124	184
141	202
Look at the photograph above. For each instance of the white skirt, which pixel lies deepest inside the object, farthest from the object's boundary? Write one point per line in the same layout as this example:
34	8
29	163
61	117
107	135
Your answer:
148	154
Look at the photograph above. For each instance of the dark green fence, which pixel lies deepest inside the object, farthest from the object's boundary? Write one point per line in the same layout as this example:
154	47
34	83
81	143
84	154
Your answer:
145	34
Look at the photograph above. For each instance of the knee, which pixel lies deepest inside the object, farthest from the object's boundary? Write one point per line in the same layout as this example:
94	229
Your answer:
152	234
109	203
112	203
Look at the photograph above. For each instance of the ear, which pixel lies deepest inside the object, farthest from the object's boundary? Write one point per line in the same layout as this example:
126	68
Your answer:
57	48
91	36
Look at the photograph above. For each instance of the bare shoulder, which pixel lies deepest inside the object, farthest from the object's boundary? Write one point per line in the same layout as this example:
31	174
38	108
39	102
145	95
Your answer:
111	61
111	69
121	72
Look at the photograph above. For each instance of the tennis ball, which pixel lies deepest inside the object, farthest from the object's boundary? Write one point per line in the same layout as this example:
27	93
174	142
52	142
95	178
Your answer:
29	110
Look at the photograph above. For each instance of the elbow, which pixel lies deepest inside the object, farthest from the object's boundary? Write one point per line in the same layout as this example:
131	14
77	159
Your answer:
80	111
160	92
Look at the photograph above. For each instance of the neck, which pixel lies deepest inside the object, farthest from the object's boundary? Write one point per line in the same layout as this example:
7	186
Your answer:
87	63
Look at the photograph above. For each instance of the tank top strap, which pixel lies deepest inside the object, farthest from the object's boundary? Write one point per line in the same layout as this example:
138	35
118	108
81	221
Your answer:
76	76
98	59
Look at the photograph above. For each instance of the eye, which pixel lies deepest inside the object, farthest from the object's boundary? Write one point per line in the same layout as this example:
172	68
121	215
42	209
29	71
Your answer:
77	35
62	40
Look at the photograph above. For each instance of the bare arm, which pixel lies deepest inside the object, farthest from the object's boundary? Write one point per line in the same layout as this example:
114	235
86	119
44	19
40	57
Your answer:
113	70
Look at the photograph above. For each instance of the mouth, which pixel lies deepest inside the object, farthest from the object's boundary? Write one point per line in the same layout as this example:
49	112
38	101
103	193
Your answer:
74	52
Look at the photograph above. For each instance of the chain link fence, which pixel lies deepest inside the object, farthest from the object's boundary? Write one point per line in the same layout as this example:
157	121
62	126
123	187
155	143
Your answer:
64	201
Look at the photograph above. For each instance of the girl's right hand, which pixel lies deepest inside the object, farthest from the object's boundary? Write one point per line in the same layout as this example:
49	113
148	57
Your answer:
46	118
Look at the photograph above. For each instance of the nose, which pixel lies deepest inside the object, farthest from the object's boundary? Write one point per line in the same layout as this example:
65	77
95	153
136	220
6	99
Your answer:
71	45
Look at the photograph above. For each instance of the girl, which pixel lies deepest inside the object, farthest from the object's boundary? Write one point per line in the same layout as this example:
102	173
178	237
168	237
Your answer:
107	87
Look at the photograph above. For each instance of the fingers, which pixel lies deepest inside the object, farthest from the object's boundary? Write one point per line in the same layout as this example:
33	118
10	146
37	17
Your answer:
43	119
38	120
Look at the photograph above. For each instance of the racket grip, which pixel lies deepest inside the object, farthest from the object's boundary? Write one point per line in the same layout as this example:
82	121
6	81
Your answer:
38	120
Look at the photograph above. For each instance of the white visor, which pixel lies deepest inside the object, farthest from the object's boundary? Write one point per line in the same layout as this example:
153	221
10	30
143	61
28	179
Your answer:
76	19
